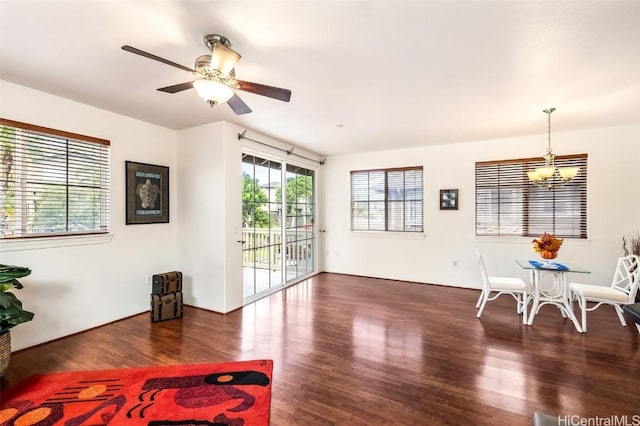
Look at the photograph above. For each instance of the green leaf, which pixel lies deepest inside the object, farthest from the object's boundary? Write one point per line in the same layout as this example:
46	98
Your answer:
4	287
9	273
11	312
12	308
5	300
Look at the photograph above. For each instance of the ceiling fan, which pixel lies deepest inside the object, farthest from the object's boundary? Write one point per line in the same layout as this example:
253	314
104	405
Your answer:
216	77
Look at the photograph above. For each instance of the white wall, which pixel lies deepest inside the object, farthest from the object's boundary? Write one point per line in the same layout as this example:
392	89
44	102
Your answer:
210	220
73	288
613	210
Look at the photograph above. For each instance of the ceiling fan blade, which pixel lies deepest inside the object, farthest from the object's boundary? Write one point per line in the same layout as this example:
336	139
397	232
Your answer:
155	58
177	87
237	105
269	91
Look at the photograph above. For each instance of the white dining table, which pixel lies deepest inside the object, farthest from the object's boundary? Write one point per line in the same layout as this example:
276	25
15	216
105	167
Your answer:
557	292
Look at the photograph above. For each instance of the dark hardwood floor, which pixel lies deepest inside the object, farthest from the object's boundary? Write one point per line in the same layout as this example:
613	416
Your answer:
359	351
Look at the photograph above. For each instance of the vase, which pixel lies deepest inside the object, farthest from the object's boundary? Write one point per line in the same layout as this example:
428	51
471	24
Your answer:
548	254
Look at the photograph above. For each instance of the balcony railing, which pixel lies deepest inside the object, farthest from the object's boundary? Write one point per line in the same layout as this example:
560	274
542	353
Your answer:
262	247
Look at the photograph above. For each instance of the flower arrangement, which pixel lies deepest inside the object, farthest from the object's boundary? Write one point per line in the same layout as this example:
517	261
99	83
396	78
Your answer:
547	245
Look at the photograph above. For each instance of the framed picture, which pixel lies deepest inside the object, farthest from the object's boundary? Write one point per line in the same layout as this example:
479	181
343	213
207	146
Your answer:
448	199
147	193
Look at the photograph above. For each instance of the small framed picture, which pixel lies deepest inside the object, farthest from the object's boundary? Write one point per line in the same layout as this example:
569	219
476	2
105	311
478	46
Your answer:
147	193
448	199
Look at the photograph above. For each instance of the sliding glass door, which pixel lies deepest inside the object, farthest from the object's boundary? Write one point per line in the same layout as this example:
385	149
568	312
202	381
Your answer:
277	248
300	231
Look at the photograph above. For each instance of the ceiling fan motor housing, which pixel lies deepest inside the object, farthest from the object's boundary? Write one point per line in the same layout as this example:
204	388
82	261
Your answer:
204	70
203	64
211	39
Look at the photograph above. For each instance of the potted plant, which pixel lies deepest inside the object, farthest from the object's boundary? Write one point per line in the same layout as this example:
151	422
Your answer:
631	245
11	312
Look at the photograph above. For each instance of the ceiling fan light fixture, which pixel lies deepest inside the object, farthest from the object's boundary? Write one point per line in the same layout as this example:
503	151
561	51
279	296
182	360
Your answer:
211	90
223	59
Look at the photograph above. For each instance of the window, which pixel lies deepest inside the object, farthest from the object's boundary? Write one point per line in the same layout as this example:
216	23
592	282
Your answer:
52	182
387	200
508	204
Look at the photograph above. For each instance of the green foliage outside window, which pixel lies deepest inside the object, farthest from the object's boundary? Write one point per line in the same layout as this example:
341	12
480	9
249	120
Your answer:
254	201
299	190
7	192
51	183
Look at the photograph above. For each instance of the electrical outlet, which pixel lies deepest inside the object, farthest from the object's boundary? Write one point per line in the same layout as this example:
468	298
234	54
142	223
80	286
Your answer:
149	279
454	262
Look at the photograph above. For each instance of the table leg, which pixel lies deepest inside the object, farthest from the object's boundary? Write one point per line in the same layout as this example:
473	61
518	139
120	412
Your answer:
566	302
535	281
558	296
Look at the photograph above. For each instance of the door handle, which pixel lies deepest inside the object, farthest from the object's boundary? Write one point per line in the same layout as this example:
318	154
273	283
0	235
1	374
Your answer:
240	241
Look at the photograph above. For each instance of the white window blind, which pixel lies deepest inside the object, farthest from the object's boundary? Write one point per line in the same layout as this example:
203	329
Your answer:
508	204
52	182
387	200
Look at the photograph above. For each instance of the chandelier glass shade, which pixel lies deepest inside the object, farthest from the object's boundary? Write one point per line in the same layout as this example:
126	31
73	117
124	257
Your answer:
551	176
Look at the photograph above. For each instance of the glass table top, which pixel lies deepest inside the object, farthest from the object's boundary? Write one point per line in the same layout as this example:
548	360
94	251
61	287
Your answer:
551	266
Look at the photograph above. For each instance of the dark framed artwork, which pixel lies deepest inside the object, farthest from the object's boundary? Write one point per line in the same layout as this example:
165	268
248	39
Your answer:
448	199
147	193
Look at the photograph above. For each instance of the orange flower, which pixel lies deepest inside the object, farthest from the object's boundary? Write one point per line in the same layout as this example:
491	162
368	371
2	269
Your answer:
547	242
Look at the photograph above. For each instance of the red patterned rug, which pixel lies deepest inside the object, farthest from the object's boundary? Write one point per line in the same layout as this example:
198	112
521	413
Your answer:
233	394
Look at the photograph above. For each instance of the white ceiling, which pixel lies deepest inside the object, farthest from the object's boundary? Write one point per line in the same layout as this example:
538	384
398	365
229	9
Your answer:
393	73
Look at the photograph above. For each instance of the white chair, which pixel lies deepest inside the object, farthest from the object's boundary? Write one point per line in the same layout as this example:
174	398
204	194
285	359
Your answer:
622	290
516	287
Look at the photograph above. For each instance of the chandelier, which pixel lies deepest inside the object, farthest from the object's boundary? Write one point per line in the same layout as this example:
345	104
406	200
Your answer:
551	176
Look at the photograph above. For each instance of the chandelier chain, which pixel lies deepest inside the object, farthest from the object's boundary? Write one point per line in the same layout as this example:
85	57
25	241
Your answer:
549	176
548	112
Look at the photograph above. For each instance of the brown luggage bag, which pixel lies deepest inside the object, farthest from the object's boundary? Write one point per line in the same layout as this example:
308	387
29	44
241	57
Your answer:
167	282
166	307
